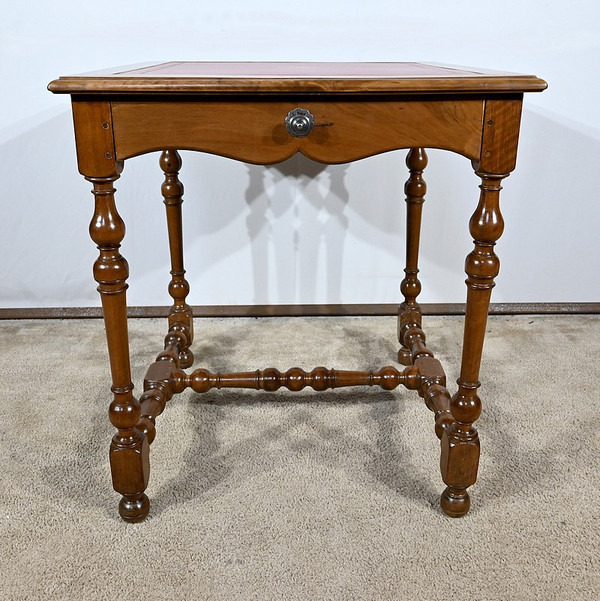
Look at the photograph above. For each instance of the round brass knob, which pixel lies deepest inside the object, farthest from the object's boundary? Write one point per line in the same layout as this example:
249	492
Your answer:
299	122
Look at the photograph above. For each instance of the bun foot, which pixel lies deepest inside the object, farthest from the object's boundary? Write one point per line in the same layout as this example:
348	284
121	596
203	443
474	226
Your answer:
455	502
134	508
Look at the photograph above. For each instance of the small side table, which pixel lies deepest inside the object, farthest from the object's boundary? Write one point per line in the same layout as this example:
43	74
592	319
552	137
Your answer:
263	113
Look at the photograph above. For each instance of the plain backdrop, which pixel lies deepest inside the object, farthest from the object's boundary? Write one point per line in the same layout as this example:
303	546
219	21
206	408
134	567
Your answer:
300	232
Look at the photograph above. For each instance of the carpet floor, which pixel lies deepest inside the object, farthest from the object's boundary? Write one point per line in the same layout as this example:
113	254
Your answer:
295	496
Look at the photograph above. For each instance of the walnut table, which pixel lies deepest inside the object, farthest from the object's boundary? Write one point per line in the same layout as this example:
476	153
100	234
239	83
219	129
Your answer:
263	113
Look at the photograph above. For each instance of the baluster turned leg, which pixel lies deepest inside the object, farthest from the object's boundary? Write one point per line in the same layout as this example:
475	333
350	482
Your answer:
460	442
409	312
180	315
129	451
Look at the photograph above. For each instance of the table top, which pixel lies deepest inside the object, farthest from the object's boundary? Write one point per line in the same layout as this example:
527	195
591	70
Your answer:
196	77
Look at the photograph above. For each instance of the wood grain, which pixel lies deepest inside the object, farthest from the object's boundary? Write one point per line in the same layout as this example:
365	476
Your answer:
94	138
500	135
255	132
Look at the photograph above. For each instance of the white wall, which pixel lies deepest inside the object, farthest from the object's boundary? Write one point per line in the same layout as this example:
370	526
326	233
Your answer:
300	232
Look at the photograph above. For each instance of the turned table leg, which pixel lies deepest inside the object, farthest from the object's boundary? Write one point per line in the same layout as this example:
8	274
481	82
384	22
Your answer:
460	442
129	451
180	314
409	312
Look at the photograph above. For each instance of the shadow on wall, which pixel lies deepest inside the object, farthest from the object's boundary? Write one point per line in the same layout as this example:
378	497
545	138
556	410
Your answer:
45	210
550	247
318	222
300	231
297	221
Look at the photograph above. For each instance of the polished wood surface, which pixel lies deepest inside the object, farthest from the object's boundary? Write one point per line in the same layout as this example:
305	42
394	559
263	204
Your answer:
409	312
292	78
180	315
295	379
239	110
343	132
129	451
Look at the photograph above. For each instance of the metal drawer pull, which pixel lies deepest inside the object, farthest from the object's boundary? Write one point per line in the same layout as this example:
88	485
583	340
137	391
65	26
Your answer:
299	122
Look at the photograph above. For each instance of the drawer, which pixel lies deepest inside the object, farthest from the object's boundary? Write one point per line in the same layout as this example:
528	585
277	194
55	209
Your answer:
254	131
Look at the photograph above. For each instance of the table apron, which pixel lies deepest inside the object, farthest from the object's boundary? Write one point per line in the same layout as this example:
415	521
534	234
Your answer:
255	131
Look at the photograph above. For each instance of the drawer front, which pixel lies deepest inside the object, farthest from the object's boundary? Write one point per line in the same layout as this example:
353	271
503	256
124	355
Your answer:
255	131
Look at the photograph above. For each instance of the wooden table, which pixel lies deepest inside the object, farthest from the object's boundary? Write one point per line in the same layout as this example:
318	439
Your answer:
264	113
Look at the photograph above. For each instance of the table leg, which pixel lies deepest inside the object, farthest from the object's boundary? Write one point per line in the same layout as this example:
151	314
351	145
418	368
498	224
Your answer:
129	450
180	314
460	442
409	312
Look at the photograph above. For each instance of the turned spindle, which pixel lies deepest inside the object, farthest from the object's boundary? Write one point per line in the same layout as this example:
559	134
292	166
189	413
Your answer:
410	334
296	379
180	314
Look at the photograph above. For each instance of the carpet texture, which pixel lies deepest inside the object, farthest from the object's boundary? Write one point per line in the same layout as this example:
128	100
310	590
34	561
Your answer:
297	497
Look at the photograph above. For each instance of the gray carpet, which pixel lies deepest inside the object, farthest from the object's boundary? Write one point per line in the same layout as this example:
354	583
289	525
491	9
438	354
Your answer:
302	499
